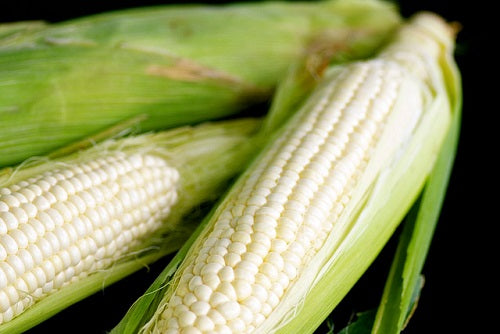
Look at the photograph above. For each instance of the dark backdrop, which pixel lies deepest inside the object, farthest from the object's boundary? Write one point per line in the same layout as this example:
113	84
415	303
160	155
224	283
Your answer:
457	288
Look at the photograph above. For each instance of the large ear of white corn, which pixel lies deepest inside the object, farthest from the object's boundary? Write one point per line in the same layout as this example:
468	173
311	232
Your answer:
368	129
66	220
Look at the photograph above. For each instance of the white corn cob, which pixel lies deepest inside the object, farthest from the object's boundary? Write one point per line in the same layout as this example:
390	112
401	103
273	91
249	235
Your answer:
285	208
267	232
60	226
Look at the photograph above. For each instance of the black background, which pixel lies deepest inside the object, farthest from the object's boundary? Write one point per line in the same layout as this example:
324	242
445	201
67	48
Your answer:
459	295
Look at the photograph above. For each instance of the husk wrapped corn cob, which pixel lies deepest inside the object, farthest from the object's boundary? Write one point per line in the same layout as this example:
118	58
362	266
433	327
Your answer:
72	225
175	64
306	219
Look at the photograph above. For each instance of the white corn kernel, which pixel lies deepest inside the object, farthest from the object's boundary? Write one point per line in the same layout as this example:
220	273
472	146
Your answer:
229	310
200	307
204	323
187	319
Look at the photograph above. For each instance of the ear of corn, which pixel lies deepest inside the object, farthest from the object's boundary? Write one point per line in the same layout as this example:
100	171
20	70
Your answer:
176	64
301	79
70	226
302	224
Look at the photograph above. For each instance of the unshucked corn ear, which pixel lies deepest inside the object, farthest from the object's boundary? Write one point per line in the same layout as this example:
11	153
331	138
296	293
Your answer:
108	210
302	224
175	64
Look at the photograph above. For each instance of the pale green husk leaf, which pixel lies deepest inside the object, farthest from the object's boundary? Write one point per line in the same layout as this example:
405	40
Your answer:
398	300
178	65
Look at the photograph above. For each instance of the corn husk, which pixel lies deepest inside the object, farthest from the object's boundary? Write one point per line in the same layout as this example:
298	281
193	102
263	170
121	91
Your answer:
402	289
391	195
174	64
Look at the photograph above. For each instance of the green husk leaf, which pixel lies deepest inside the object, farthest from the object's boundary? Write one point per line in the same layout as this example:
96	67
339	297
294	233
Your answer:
10	32
178	65
361	325
398	298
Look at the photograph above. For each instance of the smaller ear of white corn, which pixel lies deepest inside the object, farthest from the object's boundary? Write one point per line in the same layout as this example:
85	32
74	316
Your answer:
264	248
62	225
62	221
